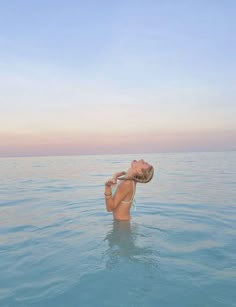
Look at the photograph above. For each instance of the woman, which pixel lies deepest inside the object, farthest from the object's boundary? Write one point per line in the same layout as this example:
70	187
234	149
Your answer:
120	203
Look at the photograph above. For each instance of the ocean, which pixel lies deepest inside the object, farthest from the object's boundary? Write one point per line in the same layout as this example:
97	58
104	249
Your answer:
59	246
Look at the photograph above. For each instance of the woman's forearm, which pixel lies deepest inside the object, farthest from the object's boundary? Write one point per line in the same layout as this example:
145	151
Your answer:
108	198
109	204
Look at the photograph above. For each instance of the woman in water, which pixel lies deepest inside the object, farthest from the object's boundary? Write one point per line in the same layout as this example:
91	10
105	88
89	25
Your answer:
120	203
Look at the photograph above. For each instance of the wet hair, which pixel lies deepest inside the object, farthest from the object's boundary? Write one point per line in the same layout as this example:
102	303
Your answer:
145	177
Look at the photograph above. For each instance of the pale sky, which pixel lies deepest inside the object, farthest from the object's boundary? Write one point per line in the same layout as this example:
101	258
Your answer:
117	76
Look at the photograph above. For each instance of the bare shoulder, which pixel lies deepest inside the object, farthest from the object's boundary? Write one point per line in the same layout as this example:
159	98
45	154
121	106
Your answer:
123	190
126	184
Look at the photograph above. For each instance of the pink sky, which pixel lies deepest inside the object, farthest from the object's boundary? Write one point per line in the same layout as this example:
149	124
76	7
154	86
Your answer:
128	78
70	144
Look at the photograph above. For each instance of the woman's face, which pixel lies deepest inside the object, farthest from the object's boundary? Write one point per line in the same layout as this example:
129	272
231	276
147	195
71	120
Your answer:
139	165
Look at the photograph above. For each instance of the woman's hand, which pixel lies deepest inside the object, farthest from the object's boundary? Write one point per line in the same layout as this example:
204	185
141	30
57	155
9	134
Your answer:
110	182
113	180
117	175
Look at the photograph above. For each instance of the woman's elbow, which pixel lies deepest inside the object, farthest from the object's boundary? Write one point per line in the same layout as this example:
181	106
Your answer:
109	206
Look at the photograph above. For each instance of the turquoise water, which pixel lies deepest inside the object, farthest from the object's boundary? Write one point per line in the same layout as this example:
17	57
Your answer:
58	246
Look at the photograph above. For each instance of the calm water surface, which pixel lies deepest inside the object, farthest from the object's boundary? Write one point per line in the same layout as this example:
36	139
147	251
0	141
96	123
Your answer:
58	246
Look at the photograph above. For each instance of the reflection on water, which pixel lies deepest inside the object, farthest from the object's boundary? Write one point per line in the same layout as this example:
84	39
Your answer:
123	244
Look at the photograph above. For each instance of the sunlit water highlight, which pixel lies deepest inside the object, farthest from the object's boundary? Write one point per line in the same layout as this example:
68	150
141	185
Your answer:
58	246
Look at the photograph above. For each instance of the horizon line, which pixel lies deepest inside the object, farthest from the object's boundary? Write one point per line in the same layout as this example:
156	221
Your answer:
114	154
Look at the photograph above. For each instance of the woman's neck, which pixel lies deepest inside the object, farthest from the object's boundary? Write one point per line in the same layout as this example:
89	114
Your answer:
130	173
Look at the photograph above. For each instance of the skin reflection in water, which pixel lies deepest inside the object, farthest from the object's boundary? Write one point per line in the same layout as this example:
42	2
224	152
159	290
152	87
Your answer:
122	245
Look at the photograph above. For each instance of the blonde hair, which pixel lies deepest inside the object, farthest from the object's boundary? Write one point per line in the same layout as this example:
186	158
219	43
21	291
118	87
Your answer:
145	177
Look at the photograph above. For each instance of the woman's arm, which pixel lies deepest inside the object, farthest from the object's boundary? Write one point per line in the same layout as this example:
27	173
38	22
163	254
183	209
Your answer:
113	201
108	195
